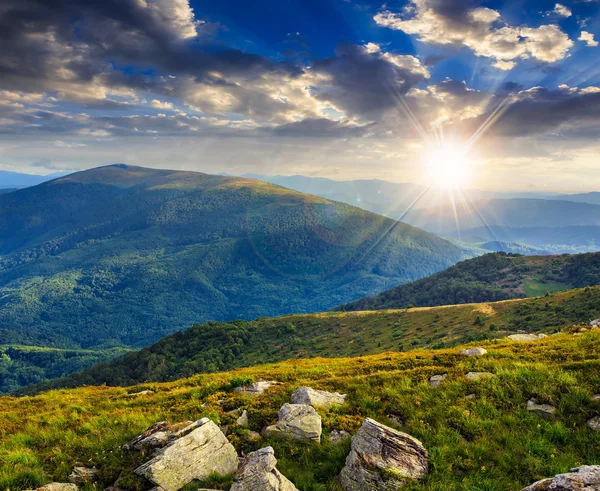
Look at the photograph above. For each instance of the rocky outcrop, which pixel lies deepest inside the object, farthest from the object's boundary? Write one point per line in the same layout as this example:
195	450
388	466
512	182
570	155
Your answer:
336	436
584	478
382	459
57	486
546	411
473	352
82	475
479	375
256	388
317	398
196	455
160	434
297	421
594	424
525	338
257	472
436	380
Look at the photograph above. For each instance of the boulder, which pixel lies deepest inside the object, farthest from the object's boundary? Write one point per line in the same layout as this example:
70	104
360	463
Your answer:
317	398
479	375
382	459
256	388
297	421
546	411
196	455
257	472
243	419
473	352
82	475
336	436
595	323
523	338
584	478
594	424
436	380
160	434
57	486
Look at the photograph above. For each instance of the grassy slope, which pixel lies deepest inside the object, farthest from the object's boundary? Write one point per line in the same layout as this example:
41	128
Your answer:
496	276
223	346
489	443
128	254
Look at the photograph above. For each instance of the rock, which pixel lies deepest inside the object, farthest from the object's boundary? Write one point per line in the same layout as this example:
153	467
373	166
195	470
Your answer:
436	380
594	424
546	411
243	419
479	375
256	388
523	338
297	421
471	397
473	352
257	472
337	436
196	455
595	323
583	329
160	434
141	393
317	398
254	436
584	478
57	486
542	335
382	459
596	397
81	475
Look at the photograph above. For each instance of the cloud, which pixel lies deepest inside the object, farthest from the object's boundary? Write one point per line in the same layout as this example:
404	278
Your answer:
588	38
481	29
562	10
156	104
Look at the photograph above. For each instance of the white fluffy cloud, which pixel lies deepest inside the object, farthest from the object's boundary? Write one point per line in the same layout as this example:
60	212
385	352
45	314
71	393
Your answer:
480	29
562	10
588	38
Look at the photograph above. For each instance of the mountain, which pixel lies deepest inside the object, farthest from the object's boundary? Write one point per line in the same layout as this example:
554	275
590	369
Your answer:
223	346
480	434
488	278
18	180
121	256
592	198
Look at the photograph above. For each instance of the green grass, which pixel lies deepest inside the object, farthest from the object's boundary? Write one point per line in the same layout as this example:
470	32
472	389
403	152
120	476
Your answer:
489	443
535	288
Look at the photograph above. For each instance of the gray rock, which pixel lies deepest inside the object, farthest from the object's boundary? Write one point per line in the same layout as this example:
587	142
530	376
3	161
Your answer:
595	323
473	352
523	338
584	478
594	424
141	393
243	419
160	434
336	436
254	436
382	459
546	411
257	472
436	380
196	455
479	375
256	388
471	397
81	475
57	486
596	397
297	421
317	398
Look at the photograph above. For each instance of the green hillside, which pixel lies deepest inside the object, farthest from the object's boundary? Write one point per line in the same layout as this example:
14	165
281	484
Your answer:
121	256
223	346
488	278
487	441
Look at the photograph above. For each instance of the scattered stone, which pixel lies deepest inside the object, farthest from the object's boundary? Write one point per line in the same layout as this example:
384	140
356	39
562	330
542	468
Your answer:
253	436
195	455
596	397
473	352
256	388
525	338
234	411
594	424
257	472
546	411
471	397
57	486
142	393
317	398
479	375
336	436
584	478
382	459
583	329
82	475
160	434
542	335
436	380
297	421
243	419
595	323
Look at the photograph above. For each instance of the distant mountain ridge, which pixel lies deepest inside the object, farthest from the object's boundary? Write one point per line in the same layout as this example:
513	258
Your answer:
15	180
123	255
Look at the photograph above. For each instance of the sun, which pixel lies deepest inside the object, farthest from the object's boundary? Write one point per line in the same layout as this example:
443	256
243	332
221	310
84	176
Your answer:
448	166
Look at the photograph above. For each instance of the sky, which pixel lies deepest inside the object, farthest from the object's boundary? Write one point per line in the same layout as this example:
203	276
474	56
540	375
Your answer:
504	93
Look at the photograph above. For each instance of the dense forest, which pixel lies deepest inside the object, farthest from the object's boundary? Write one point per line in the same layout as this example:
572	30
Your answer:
488	278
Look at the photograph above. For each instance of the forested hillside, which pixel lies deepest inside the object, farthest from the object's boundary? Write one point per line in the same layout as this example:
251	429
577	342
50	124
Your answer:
126	255
222	346
497	276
